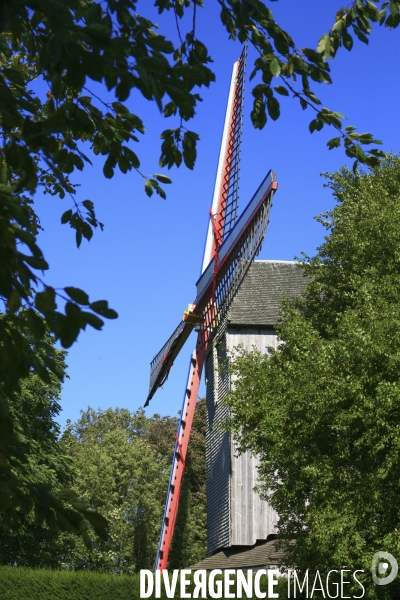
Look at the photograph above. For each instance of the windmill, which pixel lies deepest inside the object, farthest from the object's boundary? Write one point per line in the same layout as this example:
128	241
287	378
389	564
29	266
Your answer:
232	243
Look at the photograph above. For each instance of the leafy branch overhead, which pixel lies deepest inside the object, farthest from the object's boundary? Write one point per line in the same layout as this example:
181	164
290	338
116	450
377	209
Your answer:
64	45
298	69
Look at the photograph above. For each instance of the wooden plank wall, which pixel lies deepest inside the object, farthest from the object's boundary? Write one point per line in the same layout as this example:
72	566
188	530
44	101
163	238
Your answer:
251	518
217	451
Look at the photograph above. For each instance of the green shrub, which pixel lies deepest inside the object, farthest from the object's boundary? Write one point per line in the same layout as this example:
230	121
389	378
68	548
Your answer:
17	583
41	584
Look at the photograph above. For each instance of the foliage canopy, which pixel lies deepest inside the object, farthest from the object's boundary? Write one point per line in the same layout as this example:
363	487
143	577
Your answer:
323	411
38	476
118	474
122	464
118	463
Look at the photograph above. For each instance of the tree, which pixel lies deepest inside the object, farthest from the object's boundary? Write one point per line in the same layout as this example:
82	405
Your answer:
122	468
39	476
323	411
120	475
160	434
63	44
189	544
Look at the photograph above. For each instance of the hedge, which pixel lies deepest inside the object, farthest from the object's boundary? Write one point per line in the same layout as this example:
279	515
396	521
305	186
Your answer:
17	583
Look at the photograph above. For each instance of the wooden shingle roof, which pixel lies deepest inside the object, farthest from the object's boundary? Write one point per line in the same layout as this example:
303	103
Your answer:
263	555
257	302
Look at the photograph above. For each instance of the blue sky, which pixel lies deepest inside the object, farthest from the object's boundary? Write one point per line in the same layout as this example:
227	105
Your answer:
148	258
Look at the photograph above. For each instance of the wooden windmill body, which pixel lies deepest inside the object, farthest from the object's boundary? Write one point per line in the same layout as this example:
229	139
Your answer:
236	515
232	244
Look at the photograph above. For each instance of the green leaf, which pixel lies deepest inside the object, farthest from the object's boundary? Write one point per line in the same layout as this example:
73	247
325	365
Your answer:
14	301
167	133
131	157
324	46
312	55
163	178
66	216
51	519
88	204
281	90
347	40
148	188
287	68
85	100
275	67
100	33
258	114
96	519
45	301
37	262
101	307
361	36
92	320
108	168
334	143
364	24
7	98
87	541
359	153
299	65
14	75
273	108
189	149
68	495
77	295
312	97
35	324
78	237
303	103
382	16
356	151
70	325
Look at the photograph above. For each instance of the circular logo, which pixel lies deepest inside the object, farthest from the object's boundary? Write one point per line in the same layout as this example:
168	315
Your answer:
382	567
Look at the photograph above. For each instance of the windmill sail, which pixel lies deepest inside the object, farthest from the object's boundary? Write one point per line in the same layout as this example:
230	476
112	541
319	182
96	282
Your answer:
231	246
234	258
221	279
224	210
164	359
215	293
226	191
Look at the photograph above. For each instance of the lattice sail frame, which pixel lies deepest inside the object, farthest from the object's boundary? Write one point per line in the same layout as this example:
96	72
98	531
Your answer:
226	189
163	360
223	215
215	301
230	181
220	280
